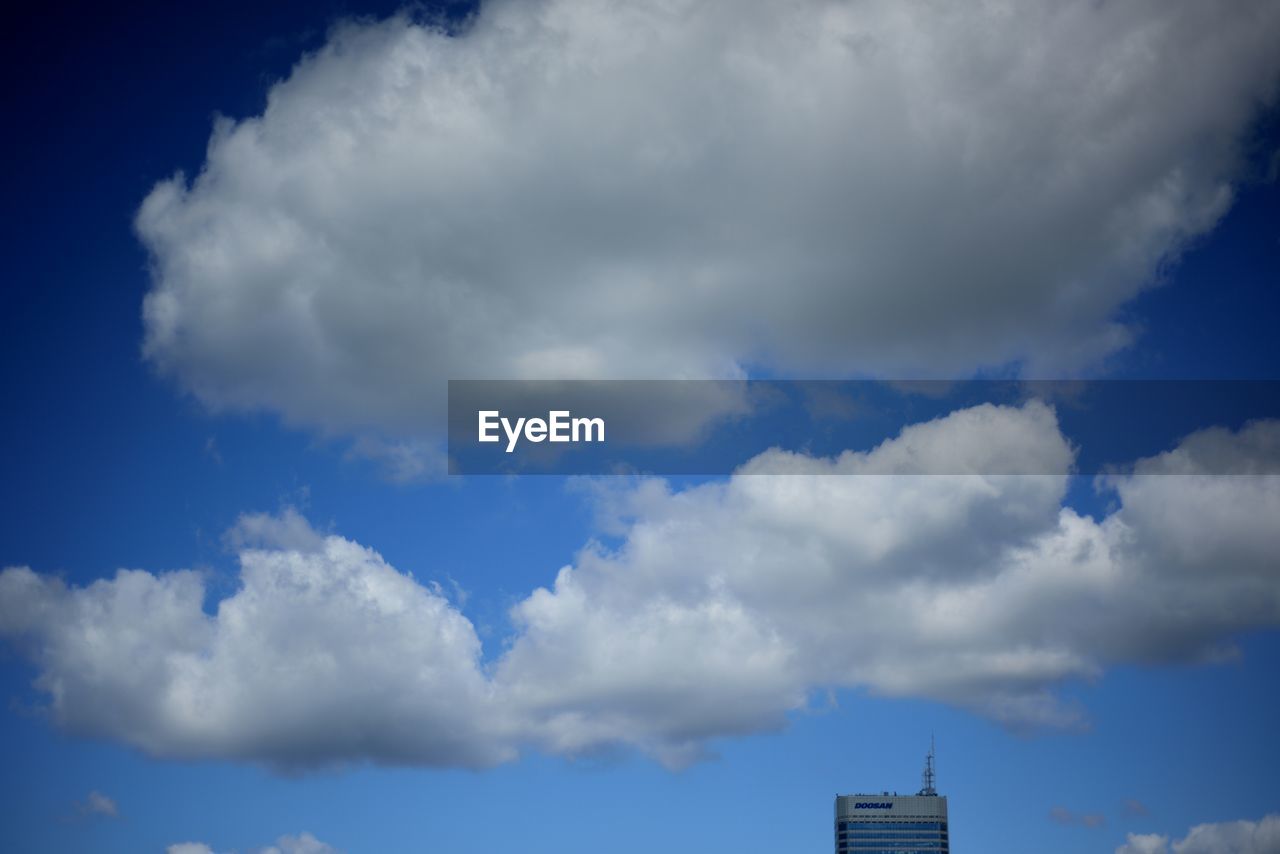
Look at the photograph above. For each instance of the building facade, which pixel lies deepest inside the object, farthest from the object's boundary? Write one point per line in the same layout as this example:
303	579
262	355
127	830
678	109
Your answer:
891	824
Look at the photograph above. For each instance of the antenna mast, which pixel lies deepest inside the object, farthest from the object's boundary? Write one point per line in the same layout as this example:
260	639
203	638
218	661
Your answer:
928	775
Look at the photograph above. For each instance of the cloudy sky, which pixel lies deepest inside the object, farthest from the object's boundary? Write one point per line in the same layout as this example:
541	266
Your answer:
243	607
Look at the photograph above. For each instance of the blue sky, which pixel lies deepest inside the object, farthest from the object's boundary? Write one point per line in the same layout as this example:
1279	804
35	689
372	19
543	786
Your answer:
136	444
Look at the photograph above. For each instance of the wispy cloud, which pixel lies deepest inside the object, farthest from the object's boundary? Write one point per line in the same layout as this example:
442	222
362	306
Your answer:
1062	815
1134	807
302	844
98	804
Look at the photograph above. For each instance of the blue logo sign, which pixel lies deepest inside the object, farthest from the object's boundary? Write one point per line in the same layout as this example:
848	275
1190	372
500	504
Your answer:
872	805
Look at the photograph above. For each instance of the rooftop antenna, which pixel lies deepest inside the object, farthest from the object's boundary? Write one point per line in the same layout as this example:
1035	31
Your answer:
928	776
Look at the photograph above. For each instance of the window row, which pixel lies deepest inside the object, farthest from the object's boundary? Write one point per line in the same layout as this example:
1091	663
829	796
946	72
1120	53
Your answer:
916	848
893	825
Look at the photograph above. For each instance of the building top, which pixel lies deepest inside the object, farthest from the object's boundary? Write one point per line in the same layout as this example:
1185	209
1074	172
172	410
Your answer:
880	806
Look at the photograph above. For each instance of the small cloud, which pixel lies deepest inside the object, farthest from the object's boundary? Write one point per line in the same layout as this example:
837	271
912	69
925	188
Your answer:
402	461
288	531
189	848
304	844
211	450
1135	807
460	593
97	804
1061	815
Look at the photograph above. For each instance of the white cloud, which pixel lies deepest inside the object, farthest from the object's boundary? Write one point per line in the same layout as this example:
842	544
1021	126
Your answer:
720	610
1145	843
304	844
726	604
1230	837
323	654
287	531
98	804
679	189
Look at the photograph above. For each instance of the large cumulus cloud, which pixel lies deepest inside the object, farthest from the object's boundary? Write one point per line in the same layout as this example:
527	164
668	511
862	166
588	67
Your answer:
709	611
324	653
977	590
569	188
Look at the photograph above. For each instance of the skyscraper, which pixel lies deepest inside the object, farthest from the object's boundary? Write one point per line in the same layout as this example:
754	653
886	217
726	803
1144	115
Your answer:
894	824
